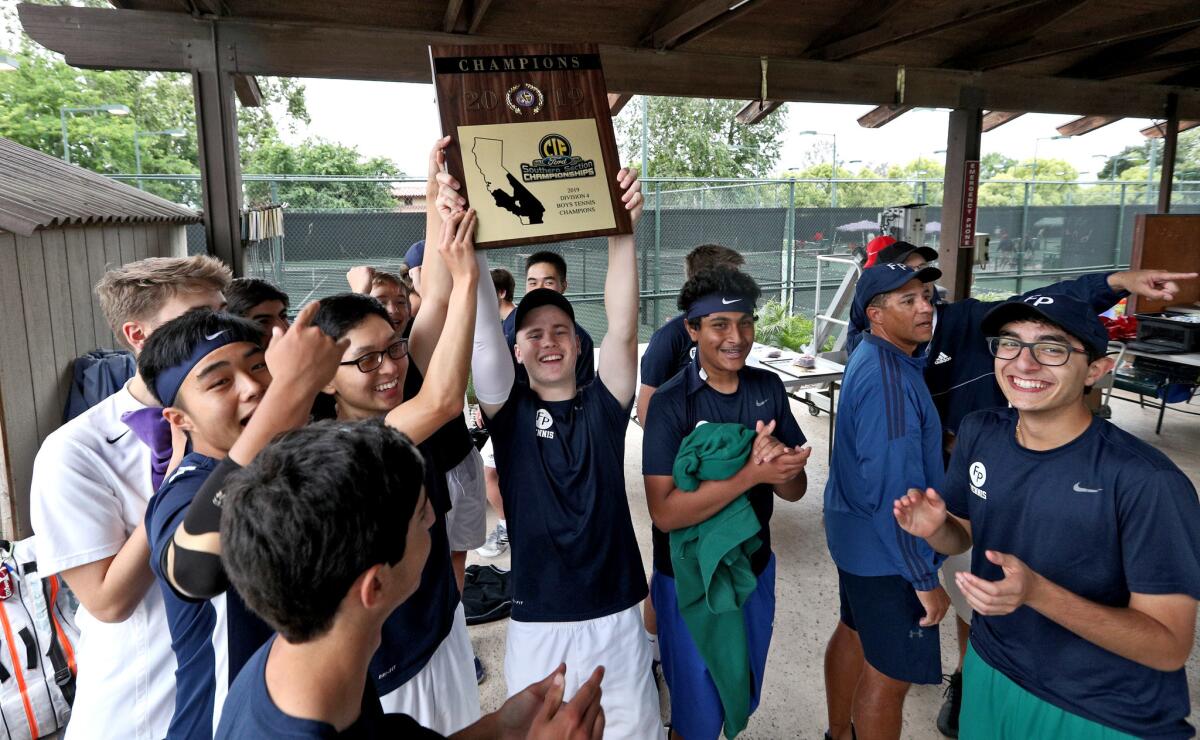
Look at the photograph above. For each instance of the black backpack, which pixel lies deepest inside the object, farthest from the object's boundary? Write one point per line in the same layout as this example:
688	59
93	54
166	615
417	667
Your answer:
487	594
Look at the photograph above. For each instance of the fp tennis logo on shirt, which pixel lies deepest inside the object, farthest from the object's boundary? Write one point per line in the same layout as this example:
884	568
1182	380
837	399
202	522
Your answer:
543	421
978	475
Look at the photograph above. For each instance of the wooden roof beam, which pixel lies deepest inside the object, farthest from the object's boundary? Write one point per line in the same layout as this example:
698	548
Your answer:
701	18
994	119
127	39
905	27
1085	125
1125	29
883	115
756	110
464	16
248	92
617	101
1158	130
862	16
1019	25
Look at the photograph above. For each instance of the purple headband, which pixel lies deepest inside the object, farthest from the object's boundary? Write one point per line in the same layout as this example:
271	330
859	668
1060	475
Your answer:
718	302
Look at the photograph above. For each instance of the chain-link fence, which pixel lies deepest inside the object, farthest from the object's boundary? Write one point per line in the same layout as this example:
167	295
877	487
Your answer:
1042	231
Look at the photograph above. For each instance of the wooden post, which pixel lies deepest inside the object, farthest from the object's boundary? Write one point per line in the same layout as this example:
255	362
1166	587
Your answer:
962	146
1170	140
217	138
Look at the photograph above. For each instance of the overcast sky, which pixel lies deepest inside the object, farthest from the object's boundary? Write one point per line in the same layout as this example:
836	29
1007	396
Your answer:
400	121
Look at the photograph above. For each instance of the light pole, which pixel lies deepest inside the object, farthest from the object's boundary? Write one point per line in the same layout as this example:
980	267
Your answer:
1112	172
115	109
174	133
833	172
1037	141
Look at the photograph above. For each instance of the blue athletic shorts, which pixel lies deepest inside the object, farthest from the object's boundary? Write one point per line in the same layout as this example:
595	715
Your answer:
886	614
696	712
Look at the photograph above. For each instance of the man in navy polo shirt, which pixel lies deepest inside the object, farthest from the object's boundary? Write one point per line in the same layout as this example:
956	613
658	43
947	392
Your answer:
577	572
209	372
888	440
1087	573
958	372
671	348
717	386
548	270
424	667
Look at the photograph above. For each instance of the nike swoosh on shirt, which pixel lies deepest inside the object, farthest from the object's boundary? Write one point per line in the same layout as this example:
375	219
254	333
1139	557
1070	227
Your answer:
727	303
1080	489
761	403
114	439
211	337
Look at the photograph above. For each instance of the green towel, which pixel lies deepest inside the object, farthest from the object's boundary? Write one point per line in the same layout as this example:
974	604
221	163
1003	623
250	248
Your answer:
711	560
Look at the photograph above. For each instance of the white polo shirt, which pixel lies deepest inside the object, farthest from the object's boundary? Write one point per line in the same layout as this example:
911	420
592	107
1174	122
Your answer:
91	483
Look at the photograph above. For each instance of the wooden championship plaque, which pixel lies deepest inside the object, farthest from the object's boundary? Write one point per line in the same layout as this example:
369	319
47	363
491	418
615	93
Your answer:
533	144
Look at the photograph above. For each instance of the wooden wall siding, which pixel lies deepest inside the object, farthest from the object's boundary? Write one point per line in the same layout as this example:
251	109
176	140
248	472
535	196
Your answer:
51	316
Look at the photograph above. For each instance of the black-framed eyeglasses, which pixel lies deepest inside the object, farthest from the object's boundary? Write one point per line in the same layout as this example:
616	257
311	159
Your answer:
1050	354
371	361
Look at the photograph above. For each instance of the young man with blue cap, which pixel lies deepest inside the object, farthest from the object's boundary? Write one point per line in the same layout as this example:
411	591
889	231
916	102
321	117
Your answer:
718	387
1087	572
958	372
889	439
578	579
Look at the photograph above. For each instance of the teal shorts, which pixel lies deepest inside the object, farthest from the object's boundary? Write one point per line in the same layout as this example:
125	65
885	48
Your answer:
996	708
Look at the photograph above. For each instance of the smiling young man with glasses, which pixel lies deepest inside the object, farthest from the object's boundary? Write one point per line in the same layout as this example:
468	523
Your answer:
424	667
1085	580
958	373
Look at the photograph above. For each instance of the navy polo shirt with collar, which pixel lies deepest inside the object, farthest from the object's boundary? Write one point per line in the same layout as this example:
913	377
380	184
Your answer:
585	364
1103	516
669	351
685	401
212	638
562	476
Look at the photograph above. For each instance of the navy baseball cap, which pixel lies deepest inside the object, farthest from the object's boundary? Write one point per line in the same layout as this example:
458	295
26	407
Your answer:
415	255
900	251
884	278
1071	314
538	298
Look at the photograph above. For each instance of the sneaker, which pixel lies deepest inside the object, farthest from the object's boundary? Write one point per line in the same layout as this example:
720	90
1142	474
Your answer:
480	671
947	721
496	544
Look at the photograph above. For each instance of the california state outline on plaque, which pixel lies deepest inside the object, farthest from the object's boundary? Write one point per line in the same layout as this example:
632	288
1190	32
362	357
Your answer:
506	190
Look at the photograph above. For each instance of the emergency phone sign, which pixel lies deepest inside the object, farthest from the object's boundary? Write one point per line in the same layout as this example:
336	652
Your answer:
970	203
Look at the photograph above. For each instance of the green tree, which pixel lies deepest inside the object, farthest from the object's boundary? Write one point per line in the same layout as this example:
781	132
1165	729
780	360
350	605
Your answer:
1055	184
994	163
319	157
698	137
32	96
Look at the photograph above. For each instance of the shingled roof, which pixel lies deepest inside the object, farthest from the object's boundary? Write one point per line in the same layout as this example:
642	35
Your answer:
38	191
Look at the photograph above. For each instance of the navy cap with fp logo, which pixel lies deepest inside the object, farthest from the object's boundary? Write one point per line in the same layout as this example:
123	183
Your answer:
1073	315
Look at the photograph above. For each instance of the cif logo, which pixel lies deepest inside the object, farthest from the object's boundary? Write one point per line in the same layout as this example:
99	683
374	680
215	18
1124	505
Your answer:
554	145
1039	300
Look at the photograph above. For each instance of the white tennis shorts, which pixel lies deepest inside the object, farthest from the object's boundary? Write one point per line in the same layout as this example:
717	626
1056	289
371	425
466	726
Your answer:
617	642
444	696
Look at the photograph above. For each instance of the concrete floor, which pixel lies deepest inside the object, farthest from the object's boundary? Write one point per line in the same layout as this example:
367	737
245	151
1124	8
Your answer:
793	703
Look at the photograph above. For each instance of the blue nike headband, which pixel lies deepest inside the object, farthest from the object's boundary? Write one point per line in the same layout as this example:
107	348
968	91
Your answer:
169	381
718	302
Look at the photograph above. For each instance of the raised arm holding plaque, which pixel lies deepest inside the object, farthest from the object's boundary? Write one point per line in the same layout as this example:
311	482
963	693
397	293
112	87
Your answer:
533	142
